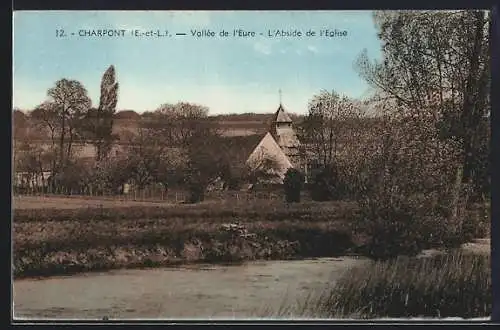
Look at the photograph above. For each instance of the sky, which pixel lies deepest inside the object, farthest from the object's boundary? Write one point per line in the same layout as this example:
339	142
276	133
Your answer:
226	74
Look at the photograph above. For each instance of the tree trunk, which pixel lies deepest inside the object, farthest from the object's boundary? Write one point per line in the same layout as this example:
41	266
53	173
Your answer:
464	175
61	139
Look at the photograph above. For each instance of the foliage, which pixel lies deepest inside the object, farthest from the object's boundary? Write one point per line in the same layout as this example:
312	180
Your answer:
262	168
97	126
293	183
404	211
436	64
423	170
324	183
72	178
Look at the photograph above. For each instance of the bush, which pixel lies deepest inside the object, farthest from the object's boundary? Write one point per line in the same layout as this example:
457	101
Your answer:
196	193
413	198
396	226
327	185
448	285
293	183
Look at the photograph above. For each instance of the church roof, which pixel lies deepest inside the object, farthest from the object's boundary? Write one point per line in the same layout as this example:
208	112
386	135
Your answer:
281	116
269	148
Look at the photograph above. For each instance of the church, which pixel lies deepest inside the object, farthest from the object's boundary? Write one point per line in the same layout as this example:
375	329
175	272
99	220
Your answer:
280	145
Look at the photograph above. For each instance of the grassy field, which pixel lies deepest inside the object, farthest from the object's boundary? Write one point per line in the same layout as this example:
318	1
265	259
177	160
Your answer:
50	241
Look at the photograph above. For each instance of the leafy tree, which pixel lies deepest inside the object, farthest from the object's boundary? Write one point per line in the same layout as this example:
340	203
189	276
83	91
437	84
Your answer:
98	123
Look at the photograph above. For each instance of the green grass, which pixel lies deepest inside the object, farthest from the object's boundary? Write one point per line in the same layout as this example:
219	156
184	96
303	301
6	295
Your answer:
449	285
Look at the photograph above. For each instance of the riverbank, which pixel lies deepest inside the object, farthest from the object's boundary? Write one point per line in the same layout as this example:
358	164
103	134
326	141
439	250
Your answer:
435	285
65	241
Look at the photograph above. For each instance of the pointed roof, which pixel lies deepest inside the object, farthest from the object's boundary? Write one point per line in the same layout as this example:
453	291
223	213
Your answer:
281	116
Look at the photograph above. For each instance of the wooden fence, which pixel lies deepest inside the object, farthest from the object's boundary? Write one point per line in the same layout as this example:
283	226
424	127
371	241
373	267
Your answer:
154	194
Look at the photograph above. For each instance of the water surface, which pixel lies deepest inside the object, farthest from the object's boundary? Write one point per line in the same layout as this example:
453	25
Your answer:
201	291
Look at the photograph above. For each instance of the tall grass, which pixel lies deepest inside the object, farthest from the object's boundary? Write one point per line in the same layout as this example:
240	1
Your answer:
454	284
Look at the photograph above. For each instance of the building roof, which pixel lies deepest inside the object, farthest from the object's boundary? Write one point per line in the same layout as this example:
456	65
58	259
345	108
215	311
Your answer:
269	148
239	147
281	116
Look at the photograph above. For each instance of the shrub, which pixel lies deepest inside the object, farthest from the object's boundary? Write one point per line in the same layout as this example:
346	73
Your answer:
196	193
456	284
293	183
397	225
326	184
414	198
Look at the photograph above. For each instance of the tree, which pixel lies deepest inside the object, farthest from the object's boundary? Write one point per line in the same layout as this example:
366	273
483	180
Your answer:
19	124
175	125
293	183
434	76
324	128
62	114
98	123
204	160
186	127
436	64
263	168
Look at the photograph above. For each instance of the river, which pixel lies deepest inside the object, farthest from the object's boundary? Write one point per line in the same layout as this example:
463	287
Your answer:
196	291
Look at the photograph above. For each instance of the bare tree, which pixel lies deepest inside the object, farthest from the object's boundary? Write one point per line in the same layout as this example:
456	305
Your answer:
436	64
62	114
176	124
325	127
186	128
435	76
